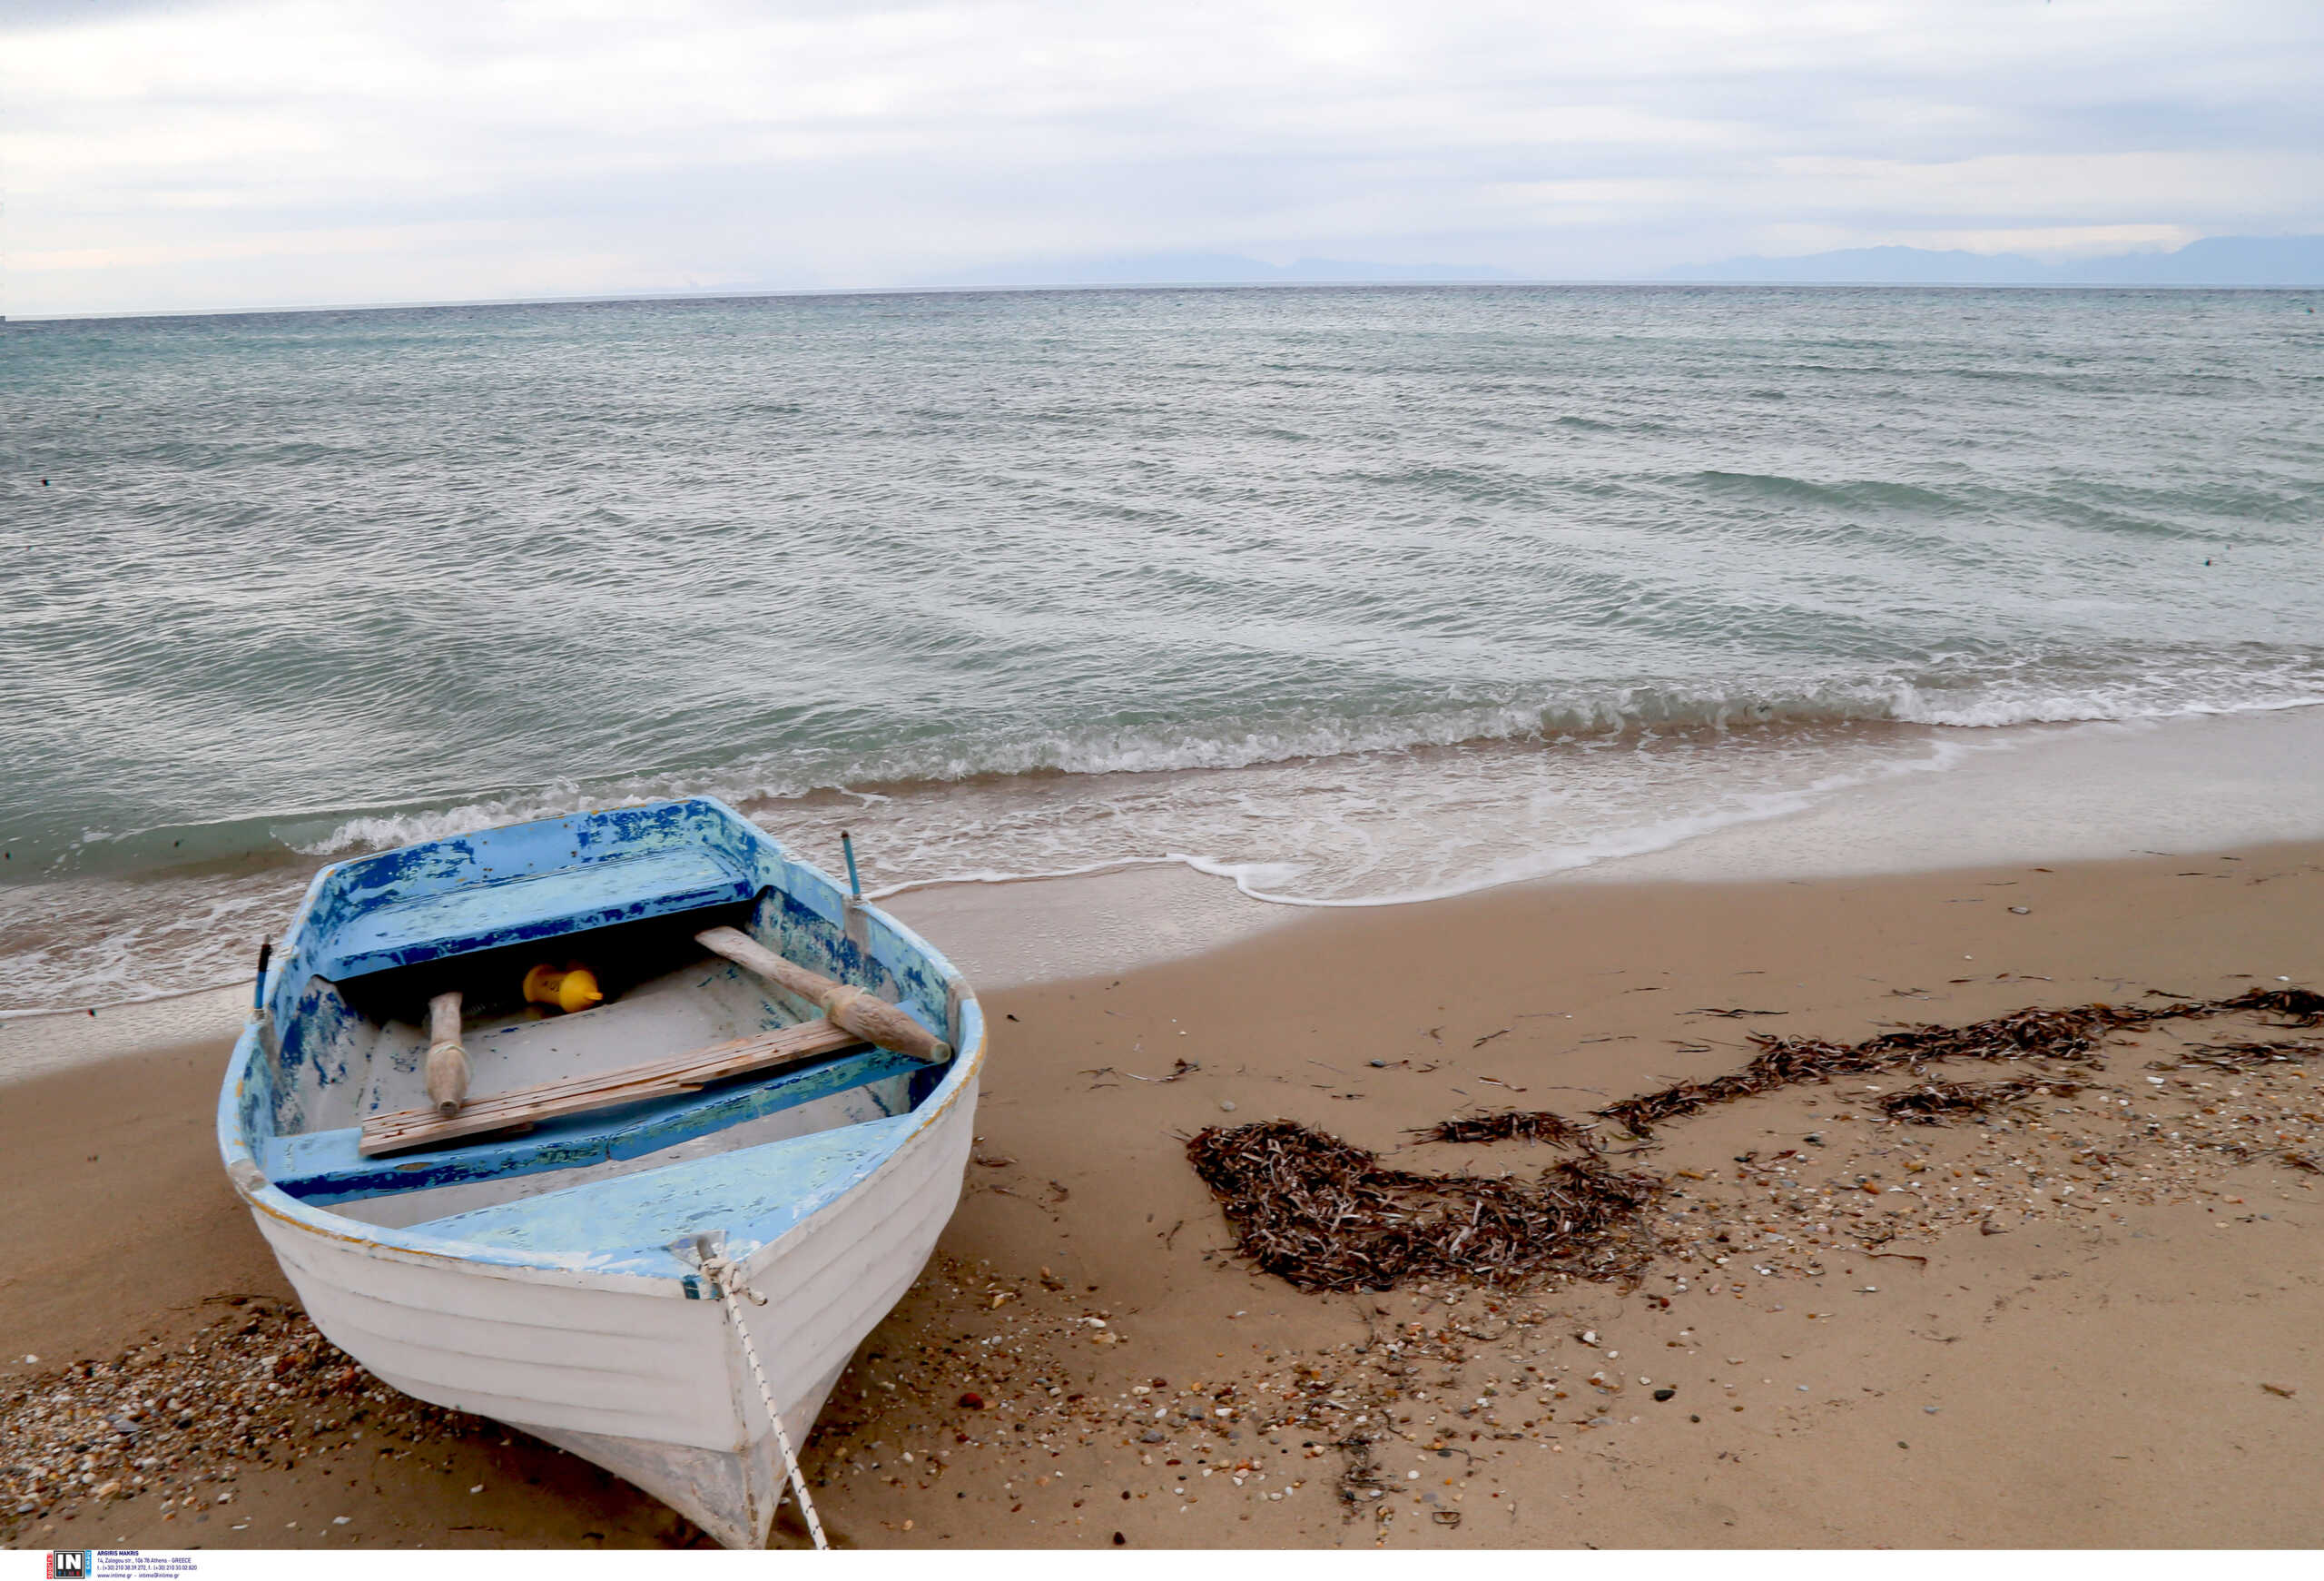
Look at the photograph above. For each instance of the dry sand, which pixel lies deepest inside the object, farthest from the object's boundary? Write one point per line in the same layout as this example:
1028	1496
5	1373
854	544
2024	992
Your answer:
2112	1339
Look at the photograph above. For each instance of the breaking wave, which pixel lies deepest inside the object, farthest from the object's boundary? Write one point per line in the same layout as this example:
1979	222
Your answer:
1964	696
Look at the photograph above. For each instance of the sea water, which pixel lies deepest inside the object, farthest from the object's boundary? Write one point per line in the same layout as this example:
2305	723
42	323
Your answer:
1341	595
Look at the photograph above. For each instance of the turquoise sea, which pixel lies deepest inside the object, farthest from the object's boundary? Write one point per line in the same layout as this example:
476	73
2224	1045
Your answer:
1344	595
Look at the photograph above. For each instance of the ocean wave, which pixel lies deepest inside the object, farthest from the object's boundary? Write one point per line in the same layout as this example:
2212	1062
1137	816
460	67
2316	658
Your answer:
1387	829
1358	597
1965	693
1960	696
1999	713
1270	880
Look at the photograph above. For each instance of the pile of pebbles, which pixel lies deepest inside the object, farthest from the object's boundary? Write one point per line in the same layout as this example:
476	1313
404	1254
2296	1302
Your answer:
176	1424
998	1403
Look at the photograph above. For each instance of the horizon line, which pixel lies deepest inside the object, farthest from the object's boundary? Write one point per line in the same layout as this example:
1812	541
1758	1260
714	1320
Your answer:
753	293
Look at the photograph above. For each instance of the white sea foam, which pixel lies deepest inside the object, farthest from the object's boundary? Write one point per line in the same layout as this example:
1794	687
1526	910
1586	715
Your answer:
1314	813
1215	792
1989	701
163	997
1366	829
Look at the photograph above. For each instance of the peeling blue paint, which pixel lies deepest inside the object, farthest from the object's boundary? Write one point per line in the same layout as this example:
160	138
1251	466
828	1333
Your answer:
530	882
326	1167
624	1225
434	924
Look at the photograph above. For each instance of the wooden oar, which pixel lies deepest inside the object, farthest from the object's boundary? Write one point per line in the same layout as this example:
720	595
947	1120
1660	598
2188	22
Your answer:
448	1061
869	1017
496	1112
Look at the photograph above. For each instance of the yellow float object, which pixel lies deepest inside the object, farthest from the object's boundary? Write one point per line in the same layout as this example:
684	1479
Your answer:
574	988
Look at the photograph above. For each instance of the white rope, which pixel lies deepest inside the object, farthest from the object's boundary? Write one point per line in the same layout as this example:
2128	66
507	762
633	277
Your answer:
727	1279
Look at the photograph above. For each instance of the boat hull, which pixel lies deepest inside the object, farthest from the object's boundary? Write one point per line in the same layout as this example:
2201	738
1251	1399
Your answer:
644	1377
554	1282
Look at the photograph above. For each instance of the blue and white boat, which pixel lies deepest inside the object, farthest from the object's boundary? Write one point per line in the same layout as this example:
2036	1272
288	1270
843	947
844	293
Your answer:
553	1278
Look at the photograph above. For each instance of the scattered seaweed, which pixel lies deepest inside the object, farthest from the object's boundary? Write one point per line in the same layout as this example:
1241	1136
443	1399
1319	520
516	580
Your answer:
2298	1006
1360	1480
1322	1215
1512	1125
2072	1035
1935	1102
1178	1073
2244	1056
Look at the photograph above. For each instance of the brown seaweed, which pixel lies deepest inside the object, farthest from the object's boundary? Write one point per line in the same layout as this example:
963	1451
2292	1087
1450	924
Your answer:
1933	1102
2070	1034
2244	1056
1322	1215
1512	1125
2298	1006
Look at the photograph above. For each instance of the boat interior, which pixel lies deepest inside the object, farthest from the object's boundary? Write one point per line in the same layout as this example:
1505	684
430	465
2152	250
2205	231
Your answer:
349	1040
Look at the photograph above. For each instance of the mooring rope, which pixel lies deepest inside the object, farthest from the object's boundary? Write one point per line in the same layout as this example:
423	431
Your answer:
727	1278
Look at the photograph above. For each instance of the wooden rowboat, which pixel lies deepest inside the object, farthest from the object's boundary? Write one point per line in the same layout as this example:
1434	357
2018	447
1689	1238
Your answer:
563	1242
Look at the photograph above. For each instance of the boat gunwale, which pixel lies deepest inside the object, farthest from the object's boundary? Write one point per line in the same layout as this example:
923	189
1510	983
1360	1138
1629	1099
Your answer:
408	1246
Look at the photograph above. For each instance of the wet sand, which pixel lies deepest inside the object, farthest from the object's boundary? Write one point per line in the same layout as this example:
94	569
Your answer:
2088	1320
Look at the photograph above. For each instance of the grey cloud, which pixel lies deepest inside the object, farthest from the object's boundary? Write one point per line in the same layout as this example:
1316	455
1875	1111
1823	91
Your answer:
475	148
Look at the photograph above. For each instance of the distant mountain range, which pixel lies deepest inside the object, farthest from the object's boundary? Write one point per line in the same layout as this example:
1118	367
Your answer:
2214	261
1214	269
2279	260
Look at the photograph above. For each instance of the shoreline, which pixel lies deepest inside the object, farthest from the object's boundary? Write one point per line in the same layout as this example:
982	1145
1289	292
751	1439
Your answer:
2078	792
2000	1378
2031	793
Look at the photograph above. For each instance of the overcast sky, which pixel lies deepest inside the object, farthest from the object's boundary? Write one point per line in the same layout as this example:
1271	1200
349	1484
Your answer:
250	153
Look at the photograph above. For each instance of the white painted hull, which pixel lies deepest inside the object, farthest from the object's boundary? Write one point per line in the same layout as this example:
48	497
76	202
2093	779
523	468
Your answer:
623	1370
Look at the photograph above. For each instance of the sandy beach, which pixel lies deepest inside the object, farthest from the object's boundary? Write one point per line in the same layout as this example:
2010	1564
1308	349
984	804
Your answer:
1443	778
2082	1318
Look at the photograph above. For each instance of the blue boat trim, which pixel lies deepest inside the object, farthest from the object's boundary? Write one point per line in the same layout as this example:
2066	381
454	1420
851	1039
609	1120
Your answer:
327	1166
302	1052
528	908
625	1225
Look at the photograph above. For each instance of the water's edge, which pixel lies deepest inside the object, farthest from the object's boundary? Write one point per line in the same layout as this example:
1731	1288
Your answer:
2189	788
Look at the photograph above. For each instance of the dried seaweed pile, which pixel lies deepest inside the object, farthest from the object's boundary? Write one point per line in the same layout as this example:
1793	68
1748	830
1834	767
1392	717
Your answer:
1512	1125
2073	1035
1322	1215
1933	1102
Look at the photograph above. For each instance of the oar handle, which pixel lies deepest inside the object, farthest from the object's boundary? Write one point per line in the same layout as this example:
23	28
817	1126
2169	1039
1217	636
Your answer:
448	1061
869	1017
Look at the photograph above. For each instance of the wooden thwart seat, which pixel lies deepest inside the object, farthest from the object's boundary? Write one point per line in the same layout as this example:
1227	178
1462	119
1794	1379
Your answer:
503	1111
